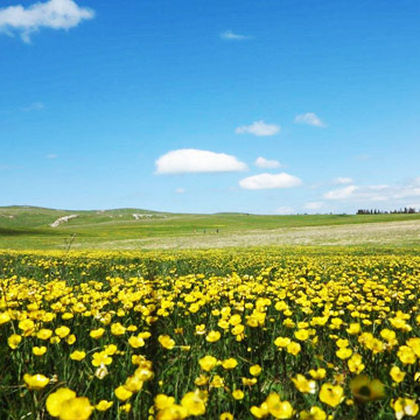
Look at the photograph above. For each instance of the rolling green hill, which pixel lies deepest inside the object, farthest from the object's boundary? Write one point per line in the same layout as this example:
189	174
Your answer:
30	227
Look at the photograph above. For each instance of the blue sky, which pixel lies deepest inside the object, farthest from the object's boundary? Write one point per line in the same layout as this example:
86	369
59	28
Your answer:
167	105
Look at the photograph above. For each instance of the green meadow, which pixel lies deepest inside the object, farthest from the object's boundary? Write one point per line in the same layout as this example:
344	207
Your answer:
24	227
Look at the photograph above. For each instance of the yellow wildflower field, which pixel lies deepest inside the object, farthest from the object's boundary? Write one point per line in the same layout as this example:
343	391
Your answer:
220	334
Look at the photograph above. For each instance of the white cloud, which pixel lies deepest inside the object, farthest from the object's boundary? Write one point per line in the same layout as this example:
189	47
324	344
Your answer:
180	190
34	106
51	156
314	205
270	181
258	128
310	119
342	181
376	193
54	14
266	163
196	161
341	193
284	210
231	36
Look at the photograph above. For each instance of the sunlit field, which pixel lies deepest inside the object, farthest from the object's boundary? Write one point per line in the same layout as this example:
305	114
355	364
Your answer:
221	334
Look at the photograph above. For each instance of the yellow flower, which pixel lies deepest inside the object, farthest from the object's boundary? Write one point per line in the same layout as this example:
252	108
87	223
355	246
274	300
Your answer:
303	385
397	374
14	340
36	381
44	334
126	407
39	351
353	328
101	358
122	393
331	395
166	342
404	407
249	381
110	349
226	416
406	355
117	329
4	317
229	363
255	370
293	348
104	405
302	334
282	342
414	344
213	336
75	408
62	331
238	394
134	383
77	355
201	380
55	400
71	339
136	342
194	403
277	408
217	382
174	412
260	412
200	329
27	326
162	401
317	374
355	363
98	333
344	353
315	413
364	389
207	363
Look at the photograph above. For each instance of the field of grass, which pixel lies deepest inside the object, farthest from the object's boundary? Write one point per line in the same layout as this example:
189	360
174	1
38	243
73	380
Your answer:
29	228
299	333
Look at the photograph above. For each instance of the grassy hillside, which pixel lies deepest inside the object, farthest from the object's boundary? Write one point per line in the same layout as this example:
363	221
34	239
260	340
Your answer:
29	227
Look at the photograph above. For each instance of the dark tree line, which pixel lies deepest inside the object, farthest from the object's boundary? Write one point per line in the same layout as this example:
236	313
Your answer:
405	210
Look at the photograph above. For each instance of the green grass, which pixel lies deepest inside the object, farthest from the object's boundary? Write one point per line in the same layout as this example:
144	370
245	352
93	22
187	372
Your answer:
24	227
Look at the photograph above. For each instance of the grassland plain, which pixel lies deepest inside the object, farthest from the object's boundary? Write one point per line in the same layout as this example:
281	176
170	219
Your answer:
298	332
29	228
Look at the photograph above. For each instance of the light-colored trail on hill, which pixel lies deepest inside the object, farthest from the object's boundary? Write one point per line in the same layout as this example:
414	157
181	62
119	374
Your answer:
63	219
389	233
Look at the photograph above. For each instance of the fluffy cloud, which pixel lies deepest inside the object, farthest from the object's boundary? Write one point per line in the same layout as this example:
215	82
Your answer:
270	181
314	205
54	14
196	161
340	193
310	119
376	193
231	36
342	181
266	163
180	190
258	128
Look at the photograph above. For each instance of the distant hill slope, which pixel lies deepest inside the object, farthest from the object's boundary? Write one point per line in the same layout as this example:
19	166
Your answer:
30	227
